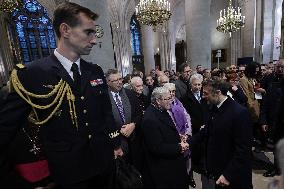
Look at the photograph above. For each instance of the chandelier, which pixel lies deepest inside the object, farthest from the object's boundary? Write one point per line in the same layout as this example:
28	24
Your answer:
230	19
153	12
9	5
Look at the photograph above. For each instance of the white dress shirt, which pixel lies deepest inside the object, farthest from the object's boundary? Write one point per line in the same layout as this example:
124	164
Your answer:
66	63
220	104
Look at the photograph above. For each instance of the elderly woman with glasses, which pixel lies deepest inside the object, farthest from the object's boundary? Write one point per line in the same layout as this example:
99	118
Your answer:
165	165
182	122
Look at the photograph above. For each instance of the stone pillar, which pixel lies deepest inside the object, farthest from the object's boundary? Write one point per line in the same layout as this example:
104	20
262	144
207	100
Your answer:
248	31
236	50
267	31
219	40
277	29
177	30
258	31
198	35
148	48
102	54
165	48
6	57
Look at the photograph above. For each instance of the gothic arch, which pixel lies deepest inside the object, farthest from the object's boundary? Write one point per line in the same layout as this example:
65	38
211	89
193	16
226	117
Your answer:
120	12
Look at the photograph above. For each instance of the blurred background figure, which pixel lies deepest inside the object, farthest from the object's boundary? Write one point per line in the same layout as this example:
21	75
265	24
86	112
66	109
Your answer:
235	91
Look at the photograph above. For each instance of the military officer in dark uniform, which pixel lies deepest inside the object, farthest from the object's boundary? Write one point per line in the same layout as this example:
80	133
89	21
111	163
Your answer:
67	98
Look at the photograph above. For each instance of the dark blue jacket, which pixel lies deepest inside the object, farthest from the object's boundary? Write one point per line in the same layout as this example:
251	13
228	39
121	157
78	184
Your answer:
228	136
73	155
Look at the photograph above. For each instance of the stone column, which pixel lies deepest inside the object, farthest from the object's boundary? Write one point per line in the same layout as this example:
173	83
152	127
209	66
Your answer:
6	58
248	31
148	48
198	33
165	48
236	50
258	31
277	29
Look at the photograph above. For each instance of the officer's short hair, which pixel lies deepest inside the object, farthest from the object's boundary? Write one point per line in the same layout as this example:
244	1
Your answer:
111	72
217	85
68	12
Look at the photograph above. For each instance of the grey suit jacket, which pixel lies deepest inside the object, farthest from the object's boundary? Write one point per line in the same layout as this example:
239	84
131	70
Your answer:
181	89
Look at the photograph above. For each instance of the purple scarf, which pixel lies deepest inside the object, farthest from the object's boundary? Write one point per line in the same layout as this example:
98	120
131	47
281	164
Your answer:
179	116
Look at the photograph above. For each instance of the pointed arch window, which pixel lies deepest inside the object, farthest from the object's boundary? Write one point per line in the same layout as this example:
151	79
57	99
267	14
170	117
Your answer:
135	36
34	31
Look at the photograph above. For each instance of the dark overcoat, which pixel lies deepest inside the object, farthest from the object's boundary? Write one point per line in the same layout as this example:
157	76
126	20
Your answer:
165	163
228	137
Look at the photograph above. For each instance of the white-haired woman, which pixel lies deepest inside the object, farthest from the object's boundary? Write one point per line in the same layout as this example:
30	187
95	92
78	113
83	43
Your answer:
164	150
183	125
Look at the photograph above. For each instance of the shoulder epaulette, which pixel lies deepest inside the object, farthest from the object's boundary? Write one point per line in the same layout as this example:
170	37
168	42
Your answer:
20	66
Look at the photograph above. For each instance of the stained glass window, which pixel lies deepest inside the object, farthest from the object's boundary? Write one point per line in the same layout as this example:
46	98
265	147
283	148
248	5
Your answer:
135	36
34	31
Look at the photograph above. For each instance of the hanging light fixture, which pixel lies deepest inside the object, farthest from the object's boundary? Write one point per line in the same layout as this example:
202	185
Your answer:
9	5
230	19
153	12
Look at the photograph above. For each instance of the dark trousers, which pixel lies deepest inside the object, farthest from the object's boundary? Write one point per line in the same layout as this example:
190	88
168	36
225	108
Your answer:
208	183
100	181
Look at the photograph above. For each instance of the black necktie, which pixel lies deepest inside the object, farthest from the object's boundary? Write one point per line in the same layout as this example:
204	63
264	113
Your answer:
76	76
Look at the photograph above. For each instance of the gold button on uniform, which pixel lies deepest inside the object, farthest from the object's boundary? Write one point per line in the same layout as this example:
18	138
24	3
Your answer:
90	136
85	111
87	124
82	97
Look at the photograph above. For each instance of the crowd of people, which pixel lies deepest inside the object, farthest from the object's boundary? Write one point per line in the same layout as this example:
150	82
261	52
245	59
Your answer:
63	122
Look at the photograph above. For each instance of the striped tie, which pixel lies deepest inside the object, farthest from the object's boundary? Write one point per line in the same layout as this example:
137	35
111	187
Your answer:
120	108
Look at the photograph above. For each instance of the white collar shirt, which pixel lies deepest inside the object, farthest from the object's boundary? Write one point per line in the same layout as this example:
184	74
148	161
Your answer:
221	103
66	63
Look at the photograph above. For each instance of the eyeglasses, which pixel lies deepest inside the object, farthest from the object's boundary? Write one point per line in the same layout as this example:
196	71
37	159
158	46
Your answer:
117	80
167	99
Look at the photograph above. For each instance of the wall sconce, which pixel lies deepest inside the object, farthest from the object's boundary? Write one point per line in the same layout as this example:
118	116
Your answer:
99	34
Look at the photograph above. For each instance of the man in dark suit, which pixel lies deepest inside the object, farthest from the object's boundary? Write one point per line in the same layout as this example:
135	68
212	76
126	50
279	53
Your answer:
271	113
182	84
196	107
67	98
228	137
124	109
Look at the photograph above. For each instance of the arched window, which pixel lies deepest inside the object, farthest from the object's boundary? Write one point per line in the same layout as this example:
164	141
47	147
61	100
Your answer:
34	32
135	36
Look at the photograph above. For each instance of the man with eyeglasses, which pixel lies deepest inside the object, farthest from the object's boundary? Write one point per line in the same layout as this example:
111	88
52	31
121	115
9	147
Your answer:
124	109
182	84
